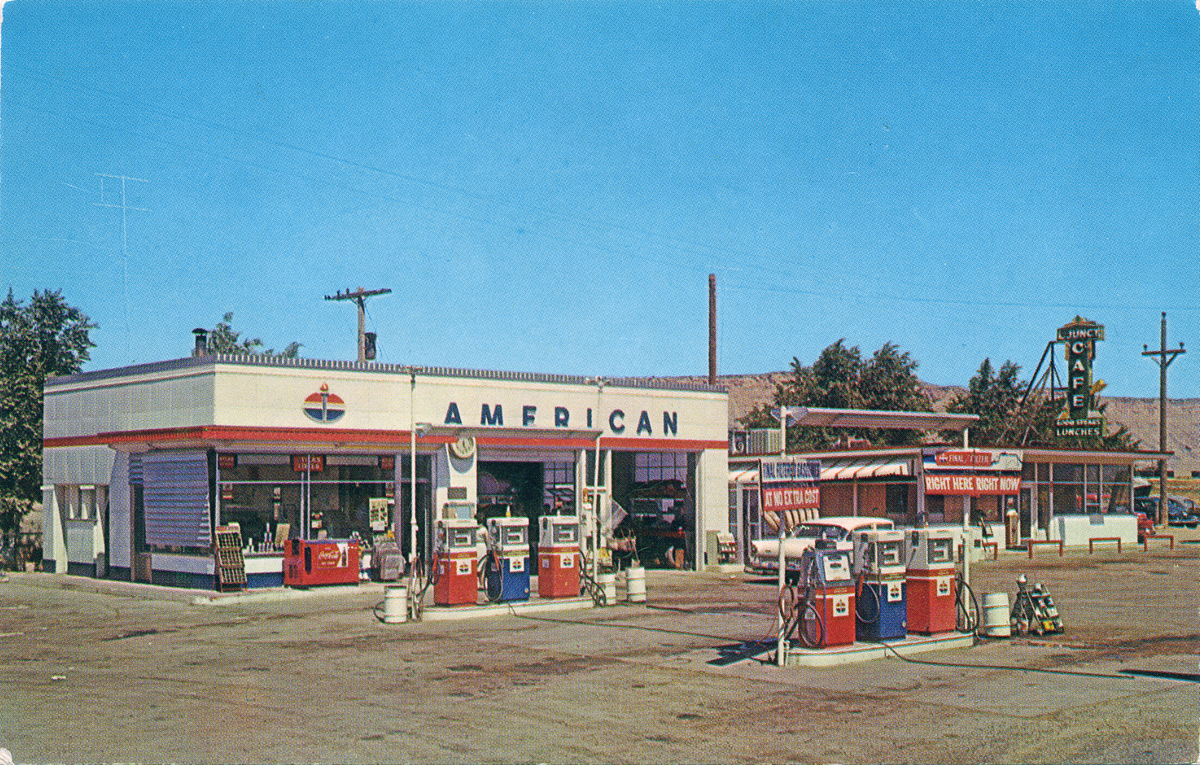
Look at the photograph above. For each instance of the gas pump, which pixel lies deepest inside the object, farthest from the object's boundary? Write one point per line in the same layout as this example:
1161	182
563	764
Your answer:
930	580
878	568
454	562
827	576
508	562
558	556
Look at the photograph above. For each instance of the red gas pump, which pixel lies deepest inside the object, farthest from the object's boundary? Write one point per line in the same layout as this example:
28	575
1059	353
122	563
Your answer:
827	574
930	580
558	556
455	563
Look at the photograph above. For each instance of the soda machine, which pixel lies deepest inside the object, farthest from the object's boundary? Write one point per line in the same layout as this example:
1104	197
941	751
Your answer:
507	571
558	556
320	561
930	581
879	572
454	562
827	575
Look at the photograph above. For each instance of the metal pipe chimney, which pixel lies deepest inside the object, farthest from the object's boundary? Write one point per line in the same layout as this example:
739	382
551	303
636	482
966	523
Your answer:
712	329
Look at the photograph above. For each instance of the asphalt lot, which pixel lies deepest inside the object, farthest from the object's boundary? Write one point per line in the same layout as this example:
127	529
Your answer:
108	672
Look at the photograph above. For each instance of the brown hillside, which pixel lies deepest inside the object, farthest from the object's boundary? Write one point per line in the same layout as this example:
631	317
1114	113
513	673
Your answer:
1140	415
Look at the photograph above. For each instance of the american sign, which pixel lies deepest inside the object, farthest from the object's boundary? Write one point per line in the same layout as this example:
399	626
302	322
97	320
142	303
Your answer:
789	484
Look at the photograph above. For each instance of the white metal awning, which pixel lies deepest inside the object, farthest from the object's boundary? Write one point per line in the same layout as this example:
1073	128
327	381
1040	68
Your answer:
857	469
746	475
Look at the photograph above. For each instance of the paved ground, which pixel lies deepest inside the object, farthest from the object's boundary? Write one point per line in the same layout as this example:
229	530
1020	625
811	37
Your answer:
102	672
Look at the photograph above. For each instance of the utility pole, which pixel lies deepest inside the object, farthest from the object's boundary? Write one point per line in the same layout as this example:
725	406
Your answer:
712	329
360	296
1164	359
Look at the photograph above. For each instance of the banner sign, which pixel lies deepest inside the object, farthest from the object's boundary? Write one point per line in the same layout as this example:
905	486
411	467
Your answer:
972	485
789	484
313	463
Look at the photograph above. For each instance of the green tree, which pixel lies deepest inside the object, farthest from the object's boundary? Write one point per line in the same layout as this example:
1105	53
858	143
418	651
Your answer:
223	339
1008	418
45	338
841	379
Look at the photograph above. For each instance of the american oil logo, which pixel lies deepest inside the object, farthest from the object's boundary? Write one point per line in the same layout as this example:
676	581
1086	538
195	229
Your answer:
324	406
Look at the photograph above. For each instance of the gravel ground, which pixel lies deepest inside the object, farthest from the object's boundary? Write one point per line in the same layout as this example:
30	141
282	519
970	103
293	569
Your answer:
113	672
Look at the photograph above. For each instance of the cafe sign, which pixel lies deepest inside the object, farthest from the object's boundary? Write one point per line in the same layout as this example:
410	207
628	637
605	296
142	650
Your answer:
1080	418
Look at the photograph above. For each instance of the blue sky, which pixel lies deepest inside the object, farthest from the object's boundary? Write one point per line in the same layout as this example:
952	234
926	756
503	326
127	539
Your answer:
546	186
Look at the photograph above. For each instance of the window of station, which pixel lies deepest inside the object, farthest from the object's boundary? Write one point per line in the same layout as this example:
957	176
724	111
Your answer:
1091	489
266	494
558	485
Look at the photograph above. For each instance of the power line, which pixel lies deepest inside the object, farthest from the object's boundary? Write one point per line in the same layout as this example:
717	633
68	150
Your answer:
124	208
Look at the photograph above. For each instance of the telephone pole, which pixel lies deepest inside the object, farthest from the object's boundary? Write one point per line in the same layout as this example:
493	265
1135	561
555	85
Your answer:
1164	359
360	296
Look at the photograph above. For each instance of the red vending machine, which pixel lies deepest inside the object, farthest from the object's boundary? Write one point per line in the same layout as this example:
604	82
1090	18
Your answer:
320	561
454	563
558	557
930	580
827	572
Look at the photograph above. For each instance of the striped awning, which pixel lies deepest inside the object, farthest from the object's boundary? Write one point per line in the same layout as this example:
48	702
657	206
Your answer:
857	469
746	475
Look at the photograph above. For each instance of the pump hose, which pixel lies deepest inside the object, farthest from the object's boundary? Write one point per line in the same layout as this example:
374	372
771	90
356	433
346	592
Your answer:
493	563
859	600
594	590
966	607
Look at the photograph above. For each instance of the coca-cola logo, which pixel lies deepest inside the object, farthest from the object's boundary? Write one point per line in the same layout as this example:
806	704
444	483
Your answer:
331	556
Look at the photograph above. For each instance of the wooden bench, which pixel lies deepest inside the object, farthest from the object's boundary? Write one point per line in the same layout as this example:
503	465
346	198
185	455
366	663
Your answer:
995	549
1093	540
1146	540
1056	542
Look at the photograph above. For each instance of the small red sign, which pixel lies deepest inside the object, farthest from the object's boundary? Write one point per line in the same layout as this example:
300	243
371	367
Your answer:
313	463
227	461
972	485
964	459
387	462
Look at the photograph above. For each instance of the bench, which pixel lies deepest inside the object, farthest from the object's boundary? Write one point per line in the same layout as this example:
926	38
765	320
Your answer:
1093	540
1146	540
995	549
1056	542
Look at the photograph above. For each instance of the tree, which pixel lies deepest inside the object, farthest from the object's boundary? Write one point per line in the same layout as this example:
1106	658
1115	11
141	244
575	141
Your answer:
224	340
1008	418
45	338
840	379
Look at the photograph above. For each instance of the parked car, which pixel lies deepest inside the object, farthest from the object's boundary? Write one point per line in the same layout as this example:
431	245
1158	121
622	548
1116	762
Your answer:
764	553
1178	514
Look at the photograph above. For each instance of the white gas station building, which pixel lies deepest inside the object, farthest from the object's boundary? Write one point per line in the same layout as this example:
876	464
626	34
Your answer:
143	463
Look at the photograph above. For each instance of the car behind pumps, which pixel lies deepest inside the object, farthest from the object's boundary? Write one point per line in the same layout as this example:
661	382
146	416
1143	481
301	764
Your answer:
764	553
1178	514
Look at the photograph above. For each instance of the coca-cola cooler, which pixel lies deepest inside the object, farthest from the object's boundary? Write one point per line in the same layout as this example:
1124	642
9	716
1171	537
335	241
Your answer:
320	561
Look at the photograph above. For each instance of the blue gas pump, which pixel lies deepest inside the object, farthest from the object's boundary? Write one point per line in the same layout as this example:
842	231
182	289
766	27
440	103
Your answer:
507	569
879	570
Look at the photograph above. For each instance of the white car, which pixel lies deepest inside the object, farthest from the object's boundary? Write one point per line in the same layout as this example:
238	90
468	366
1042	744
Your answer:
764	553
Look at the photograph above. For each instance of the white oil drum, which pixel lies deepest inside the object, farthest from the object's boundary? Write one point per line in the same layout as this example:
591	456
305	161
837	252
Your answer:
395	604
635	584
995	615
608	585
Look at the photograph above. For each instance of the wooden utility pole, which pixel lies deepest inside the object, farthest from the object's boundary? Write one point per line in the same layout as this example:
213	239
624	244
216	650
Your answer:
1164	359
360	296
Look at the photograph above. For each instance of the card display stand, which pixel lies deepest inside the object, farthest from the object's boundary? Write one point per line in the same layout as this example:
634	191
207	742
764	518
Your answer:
231	566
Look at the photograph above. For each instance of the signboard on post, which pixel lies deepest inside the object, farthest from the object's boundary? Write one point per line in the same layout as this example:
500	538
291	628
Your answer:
789	483
1080	419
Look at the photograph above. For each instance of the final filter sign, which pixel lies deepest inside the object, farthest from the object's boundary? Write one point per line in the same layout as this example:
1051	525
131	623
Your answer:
789	484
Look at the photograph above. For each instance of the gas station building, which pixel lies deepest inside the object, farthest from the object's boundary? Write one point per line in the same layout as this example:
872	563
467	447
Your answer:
143	463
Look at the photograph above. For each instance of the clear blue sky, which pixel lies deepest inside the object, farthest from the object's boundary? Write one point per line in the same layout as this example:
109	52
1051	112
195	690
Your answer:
546	186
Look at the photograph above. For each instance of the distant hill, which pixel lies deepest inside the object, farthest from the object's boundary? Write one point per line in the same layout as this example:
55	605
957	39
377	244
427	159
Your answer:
1140	415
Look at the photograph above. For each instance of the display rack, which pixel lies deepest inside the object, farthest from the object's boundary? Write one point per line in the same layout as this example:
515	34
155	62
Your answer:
231	566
